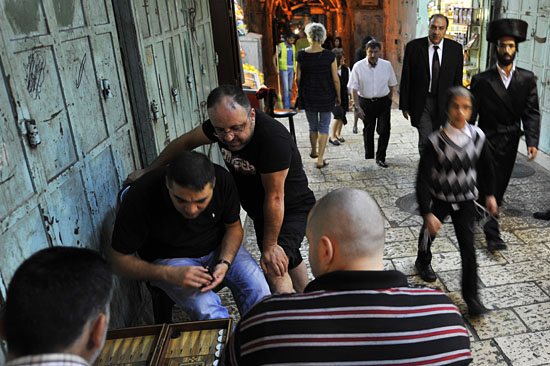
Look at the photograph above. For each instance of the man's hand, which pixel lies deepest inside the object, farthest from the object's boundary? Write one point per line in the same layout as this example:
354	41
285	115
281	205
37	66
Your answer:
531	153
432	224
189	276
218	275
338	100
132	177
491	205
274	260
405	114
360	113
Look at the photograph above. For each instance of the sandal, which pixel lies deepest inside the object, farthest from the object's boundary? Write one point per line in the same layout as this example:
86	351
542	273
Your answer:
335	142
341	139
314	156
325	163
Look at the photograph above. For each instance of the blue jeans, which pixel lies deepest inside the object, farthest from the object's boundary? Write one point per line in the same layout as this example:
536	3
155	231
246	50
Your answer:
287	76
319	122
244	278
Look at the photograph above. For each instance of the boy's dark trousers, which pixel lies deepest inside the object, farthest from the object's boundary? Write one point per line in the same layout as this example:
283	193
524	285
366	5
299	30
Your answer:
463	221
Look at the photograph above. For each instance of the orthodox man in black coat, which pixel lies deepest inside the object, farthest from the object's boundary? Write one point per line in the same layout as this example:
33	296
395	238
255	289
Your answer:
506	99
431	65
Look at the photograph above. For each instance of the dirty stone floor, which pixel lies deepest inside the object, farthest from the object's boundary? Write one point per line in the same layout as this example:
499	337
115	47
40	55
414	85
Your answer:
514	283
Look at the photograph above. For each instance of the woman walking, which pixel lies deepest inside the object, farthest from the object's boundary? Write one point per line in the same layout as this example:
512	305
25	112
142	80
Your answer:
318	88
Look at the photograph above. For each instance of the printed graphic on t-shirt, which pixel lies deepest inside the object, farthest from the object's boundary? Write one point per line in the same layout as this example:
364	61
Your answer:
240	165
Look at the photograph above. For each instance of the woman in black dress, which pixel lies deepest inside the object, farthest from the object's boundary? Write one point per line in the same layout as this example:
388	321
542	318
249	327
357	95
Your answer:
318	88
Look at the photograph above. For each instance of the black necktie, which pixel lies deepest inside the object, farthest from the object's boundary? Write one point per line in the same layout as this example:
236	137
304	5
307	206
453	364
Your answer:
435	70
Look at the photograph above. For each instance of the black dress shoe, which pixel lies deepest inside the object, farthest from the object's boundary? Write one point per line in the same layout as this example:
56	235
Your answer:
496	244
475	307
381	163
426	272
545	215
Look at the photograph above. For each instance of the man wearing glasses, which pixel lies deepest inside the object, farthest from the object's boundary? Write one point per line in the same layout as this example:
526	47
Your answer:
506	95
267	168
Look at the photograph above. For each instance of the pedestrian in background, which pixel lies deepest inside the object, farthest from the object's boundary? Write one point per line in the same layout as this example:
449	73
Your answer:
339	111
360	54
284	60
318	89
372	84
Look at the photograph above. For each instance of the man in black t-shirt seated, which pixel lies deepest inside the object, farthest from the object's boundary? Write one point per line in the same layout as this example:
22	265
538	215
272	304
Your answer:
267	167
183	221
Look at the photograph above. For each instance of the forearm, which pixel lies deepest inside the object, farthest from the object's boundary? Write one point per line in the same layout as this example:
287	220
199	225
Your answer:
355	97
169	152
130	266
274	211
231	243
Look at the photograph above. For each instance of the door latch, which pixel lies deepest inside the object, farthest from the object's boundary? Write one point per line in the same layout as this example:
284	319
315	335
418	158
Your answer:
106	89
28	127
155	110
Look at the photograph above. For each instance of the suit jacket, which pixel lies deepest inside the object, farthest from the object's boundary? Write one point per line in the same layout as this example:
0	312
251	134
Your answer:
415	76
500	110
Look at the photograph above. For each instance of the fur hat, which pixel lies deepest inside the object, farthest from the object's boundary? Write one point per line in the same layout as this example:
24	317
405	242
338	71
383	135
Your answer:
516	28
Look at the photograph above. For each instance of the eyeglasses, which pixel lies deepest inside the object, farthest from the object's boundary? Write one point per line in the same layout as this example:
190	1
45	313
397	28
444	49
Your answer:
233	130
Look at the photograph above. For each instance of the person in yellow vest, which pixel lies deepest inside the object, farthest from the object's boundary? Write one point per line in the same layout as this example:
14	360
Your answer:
285	64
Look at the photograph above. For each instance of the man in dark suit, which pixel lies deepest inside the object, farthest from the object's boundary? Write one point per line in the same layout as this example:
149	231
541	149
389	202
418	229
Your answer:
431	65
506	95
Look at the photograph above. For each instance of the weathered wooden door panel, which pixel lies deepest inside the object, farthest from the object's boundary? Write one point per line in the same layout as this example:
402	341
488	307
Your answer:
40	96
68	214
61	62
83	95
20	242
15	181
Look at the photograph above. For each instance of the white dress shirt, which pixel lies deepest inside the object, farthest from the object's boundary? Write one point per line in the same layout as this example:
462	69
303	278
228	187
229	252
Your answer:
460	136
372	82
431	51
506	79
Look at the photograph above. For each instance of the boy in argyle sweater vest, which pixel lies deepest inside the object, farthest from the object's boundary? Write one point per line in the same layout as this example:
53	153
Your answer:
455	165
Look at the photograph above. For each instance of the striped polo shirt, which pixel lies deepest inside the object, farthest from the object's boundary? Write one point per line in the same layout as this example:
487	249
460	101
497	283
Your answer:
353	318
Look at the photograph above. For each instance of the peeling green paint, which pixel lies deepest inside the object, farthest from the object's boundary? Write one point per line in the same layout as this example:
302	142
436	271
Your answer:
64	12
23	15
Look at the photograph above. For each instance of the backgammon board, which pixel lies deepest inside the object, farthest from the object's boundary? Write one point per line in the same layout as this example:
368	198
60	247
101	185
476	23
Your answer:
181	344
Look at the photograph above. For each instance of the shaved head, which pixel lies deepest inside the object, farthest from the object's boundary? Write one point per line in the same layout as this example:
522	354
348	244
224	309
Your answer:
352	219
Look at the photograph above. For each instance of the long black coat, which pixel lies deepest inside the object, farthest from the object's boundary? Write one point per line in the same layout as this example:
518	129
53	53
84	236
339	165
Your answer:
500	113
415	77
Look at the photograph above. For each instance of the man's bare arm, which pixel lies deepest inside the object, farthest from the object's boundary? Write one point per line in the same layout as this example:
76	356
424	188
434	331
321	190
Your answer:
185	142
274	258
230	245
128	265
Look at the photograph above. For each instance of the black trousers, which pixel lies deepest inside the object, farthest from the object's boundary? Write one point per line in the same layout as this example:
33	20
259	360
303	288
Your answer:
463	217
377	115
504	148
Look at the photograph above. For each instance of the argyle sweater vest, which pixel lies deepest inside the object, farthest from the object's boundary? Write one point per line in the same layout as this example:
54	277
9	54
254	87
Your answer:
454	174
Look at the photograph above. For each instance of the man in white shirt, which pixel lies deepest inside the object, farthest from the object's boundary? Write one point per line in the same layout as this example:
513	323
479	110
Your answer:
372	82
57	308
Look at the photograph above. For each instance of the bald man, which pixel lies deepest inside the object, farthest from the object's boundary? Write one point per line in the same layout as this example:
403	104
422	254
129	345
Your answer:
353	311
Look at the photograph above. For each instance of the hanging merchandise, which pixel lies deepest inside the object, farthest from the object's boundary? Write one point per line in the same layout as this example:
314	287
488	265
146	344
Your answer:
239	16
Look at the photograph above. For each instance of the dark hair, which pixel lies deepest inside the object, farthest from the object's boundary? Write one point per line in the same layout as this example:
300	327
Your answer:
339	41
456	91
339	53
440	16
191	170
373	44
366	40
52	296
227	90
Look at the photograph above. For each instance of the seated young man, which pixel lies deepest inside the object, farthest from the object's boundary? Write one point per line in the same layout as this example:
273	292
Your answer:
183	221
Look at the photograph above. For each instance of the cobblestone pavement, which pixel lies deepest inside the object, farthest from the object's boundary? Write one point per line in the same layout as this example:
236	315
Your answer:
514	283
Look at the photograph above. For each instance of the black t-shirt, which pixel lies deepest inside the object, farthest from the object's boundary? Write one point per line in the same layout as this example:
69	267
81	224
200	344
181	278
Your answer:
148	223
271	149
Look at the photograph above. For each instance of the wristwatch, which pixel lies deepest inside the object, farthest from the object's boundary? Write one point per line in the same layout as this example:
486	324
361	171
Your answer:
224	262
